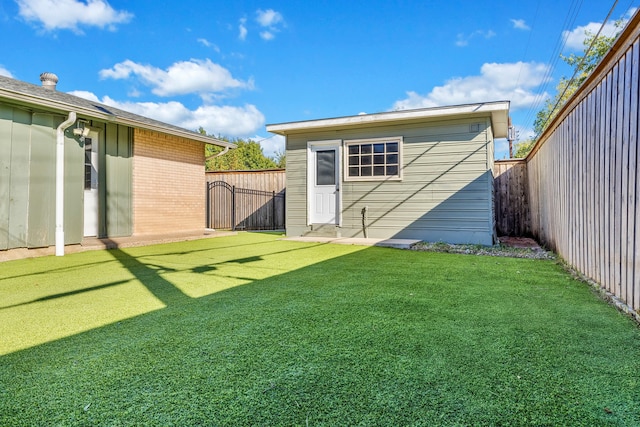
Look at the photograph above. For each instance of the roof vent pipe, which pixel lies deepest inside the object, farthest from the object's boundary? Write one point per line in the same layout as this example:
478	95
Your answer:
49	80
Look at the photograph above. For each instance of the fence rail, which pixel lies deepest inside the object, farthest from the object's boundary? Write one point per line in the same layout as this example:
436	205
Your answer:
265	180
234	208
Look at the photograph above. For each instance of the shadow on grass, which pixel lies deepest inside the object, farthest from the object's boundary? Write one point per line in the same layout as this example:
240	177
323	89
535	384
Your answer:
150	275
66	294
372	336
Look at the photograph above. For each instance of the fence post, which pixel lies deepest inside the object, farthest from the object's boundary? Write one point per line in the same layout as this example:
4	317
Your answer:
273	210
208	201
233	208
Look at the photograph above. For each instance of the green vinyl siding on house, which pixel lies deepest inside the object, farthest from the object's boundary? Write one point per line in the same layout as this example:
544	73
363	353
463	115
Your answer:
41	224
27	179
117	176
6	114
28	176
445	192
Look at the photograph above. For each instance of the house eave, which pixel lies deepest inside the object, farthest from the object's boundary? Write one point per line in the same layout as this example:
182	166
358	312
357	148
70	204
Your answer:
498	111
30	100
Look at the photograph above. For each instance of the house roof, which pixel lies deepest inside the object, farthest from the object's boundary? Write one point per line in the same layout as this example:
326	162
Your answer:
499	112
27	94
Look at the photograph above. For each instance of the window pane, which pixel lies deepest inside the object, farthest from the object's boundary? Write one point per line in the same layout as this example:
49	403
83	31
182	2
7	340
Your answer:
87	177
373	160
87	163
326	167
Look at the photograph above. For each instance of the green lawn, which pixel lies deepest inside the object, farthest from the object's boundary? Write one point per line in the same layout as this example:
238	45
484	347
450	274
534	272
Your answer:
252	330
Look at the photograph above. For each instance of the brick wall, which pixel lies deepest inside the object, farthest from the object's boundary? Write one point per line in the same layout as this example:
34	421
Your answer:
168	184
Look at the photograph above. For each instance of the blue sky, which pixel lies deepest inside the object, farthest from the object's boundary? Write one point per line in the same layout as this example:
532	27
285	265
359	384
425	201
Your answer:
231	67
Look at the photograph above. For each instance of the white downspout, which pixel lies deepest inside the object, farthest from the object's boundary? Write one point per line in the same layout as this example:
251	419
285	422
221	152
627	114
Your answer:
60	182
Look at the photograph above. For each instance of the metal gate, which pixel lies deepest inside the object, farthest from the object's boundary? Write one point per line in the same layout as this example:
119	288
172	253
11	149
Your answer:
233	208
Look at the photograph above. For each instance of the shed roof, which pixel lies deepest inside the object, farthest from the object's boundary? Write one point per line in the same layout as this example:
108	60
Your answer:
498	110
22	93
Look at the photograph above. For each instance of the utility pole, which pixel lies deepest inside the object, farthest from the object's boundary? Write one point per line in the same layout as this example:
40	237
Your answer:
510	138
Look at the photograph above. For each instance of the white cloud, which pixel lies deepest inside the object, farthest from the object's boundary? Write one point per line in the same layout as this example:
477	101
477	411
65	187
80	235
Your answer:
219	120
271	21
242	29
515	82
523	133
86	95
266	35
464	39
269	17
207	43
271	145
501	148
520	24
574	39
194	76
71	14
5	72
204	42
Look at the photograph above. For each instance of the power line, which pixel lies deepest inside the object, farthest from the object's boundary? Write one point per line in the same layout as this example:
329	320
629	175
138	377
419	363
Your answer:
526	48
569	21
584	57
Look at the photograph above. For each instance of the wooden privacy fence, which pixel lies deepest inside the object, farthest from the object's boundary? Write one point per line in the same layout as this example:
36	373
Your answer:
265	180
511	199
584	188
234	208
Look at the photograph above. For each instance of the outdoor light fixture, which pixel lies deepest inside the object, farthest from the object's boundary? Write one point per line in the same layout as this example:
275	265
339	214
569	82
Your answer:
81	129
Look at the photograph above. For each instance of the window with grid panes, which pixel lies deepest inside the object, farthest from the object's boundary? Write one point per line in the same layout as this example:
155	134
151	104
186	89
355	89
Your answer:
373	159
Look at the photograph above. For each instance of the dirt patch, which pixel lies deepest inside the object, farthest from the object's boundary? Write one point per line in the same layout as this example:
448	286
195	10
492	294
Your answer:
515	247
519	242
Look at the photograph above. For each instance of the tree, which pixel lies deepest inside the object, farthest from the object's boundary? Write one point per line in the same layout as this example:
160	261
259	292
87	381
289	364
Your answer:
523	148
247	156
582	66
280	159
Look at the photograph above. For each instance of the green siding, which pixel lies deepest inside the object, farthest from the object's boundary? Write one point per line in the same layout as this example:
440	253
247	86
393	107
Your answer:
6	117
42	187
19	180
102	175
28	173
73	187
118	180
444	193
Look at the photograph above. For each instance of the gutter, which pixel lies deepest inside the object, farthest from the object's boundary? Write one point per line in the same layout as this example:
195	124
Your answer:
60	182
218	154
107	116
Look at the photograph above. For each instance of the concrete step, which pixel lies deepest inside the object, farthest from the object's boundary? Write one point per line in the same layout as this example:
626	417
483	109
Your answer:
323	230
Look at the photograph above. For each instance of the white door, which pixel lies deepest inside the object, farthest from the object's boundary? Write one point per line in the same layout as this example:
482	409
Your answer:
324	186
91	184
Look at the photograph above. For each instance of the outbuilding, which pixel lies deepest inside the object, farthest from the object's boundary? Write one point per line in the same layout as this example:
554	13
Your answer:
72	168
422	174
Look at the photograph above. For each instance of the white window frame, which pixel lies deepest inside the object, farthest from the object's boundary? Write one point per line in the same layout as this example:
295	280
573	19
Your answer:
347	143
